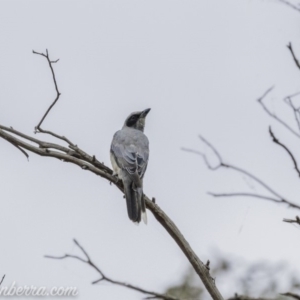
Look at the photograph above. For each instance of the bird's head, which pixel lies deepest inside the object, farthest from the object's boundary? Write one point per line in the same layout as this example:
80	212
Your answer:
136	120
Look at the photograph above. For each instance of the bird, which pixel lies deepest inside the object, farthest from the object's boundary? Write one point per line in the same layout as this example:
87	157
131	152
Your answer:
129	155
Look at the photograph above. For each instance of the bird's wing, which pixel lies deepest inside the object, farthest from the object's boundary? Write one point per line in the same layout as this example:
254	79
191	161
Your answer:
131	152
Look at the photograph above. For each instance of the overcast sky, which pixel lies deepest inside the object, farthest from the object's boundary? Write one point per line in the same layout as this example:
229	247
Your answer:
200	66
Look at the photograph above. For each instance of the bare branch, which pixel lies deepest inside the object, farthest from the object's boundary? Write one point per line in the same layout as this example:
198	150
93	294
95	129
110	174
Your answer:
273	115
240	297
289	102
244	195
38	127
276	141
2	279
295	296
290	47
75	151
290	5
278	198
209	166
78	157
108	279
296	220
23	151
90	164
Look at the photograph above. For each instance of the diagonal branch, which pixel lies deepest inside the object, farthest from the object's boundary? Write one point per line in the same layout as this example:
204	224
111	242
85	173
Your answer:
19	148
292	295
73	154
276	141
87	260
290	47
2	279
103	171
291	5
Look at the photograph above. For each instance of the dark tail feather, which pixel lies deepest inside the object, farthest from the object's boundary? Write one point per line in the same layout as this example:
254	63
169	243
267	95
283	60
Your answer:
134	200
143	208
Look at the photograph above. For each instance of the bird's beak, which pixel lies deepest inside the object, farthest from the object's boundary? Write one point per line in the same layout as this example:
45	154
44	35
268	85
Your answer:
145	112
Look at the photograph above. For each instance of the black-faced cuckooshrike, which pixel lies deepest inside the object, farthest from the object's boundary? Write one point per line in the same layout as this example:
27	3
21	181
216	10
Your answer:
129	154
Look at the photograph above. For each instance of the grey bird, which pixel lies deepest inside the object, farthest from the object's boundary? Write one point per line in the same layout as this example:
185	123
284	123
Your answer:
129	154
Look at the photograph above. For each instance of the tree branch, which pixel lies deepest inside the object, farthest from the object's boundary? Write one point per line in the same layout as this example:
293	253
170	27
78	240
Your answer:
290	5
244	195
87	260
241	297
2	279
295	296
290	47
289	102
38	127
296	220
276	141
88	163
73	154
273	115
278	198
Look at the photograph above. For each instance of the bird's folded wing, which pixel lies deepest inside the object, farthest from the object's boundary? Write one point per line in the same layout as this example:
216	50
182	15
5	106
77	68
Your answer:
132	158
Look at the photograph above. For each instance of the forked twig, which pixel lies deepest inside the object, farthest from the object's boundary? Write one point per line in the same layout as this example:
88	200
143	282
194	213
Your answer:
277	197
273	115
289	102
38	127
87	260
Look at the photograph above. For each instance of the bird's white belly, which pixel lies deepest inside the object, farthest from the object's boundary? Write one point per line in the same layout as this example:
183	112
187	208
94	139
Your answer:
115	166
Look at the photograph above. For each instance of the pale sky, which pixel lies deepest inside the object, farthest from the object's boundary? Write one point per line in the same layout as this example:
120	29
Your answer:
200	66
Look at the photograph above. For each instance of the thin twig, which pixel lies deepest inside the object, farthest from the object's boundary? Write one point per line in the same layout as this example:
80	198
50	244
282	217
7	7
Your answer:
38	127
273	115
103	277
19	148
2	279
23	151
276	141
296	220
244	195
289	102
290	47
290	5
278	198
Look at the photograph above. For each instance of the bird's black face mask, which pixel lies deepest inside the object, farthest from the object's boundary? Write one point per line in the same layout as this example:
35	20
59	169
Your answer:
131	122
137	120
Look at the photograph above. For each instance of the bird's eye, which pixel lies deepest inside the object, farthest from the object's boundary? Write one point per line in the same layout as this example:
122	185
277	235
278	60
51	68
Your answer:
132	120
